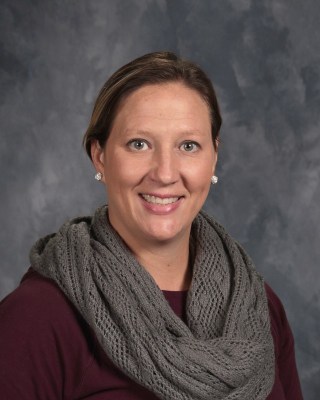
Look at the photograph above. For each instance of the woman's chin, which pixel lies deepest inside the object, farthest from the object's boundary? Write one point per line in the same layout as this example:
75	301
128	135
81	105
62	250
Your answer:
163	232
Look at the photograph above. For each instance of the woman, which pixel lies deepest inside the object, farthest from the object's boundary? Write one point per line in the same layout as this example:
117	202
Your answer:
150	298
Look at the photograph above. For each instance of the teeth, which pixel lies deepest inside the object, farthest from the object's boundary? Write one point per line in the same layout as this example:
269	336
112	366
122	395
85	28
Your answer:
158	200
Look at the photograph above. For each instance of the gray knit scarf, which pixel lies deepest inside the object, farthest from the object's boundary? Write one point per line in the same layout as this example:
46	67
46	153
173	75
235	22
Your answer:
224	351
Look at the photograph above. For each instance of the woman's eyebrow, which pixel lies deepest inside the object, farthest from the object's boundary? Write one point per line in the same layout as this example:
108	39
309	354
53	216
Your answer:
187	132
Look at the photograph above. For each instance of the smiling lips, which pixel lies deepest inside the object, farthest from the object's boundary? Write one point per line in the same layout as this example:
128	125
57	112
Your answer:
159	200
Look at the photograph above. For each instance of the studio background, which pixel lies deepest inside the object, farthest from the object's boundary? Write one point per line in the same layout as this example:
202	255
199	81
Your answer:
263	57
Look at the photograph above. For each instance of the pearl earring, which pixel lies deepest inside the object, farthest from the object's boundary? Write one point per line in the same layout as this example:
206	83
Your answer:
214	179
98	176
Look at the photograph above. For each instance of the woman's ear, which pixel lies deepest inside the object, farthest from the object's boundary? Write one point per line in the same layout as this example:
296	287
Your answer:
215	158
97	156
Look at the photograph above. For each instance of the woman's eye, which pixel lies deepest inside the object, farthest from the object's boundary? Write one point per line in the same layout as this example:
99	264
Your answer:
190	147
138	144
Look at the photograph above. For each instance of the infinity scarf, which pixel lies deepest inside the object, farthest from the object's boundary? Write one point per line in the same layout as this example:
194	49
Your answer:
224	351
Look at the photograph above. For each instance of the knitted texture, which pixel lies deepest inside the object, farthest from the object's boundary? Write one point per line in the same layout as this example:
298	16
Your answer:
224	351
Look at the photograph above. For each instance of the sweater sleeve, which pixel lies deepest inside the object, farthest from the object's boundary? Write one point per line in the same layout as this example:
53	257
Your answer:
284	348
39	337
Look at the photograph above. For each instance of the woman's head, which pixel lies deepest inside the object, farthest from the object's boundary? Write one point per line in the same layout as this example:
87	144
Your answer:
153	138
157	163
150	69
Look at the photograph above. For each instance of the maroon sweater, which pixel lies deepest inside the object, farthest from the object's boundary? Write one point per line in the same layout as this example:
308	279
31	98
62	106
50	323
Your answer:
48	352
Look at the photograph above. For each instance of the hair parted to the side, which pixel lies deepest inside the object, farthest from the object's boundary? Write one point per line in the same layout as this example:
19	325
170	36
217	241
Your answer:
150	69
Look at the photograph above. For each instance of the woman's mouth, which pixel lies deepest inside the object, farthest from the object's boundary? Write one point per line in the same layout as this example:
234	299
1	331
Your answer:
159	200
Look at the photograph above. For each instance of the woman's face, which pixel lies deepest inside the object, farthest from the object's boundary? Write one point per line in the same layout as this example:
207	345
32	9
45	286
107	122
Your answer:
157	163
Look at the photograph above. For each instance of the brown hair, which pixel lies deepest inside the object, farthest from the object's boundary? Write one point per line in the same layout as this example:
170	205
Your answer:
150	69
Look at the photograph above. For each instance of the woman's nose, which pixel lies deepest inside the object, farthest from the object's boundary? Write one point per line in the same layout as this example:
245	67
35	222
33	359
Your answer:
165	168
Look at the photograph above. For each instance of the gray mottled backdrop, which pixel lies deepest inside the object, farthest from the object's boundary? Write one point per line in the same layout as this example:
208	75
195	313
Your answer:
263	57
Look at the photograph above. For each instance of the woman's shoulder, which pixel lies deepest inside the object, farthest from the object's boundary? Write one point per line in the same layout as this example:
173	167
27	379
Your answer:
32	285
280	327
284	347
42	335
39	308
274	301
37	299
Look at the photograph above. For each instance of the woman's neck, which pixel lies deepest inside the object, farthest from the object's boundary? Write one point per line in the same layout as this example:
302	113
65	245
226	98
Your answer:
168	263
